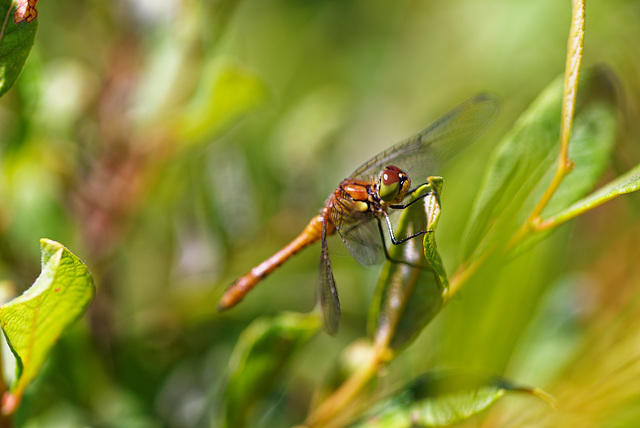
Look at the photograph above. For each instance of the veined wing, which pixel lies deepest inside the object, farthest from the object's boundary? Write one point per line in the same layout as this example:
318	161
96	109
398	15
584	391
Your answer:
327	291
363	240
422	154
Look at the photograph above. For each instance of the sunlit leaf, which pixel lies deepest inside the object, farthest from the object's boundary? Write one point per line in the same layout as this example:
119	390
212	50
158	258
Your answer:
260	359
16	39
626	183
34	321
440	399
407	296
525	161
228	91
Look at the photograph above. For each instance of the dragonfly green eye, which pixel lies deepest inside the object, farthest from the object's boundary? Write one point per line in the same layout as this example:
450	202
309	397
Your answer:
390	183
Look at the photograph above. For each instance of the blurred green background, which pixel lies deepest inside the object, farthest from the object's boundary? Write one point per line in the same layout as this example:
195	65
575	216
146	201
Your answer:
172	145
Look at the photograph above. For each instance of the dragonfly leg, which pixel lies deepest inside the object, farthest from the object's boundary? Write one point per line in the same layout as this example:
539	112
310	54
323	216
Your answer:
392	235
396	242
431	188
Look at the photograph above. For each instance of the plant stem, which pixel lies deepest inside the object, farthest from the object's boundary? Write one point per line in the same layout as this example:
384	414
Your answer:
344	395
571	77
463	274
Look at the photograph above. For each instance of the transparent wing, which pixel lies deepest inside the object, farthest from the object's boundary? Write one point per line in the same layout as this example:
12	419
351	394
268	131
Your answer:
363	241
327	291
423	154
358	231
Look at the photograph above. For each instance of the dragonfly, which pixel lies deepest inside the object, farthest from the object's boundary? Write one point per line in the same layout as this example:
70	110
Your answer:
359	209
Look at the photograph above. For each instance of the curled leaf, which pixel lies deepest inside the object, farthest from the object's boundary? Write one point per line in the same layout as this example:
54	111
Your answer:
33	322
432	209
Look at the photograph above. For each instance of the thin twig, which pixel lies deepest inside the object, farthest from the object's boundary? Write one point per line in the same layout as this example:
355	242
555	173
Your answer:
571	77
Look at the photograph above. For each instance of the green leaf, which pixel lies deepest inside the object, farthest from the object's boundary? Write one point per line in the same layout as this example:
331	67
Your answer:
440	399
525	162
227	92
260	358
432	210
626	183
407	297
16	41
33	322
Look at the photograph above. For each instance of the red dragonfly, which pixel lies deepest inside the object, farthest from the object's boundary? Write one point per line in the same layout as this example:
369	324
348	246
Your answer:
357	209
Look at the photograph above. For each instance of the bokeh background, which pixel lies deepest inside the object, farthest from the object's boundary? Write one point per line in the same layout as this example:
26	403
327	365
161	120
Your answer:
174	144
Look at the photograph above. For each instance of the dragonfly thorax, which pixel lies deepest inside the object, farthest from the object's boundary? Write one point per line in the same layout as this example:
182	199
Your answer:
393	185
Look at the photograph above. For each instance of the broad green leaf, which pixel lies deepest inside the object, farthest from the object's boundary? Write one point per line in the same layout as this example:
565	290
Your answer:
407	297
440	399
16	40
525	162
228	91
626	183
34	321
260	358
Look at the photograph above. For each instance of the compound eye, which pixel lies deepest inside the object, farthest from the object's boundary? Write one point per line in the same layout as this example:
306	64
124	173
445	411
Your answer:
390	183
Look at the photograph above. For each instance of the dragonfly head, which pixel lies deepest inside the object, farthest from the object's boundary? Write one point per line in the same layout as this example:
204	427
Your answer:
393	184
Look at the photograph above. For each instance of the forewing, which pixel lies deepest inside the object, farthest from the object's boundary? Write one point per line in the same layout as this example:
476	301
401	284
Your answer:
425	153
327	291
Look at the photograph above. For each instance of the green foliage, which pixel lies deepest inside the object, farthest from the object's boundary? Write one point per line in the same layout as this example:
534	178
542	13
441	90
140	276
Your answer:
626	183
260	360
177	144
33	322
438	399
525	161
228	92
16	40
